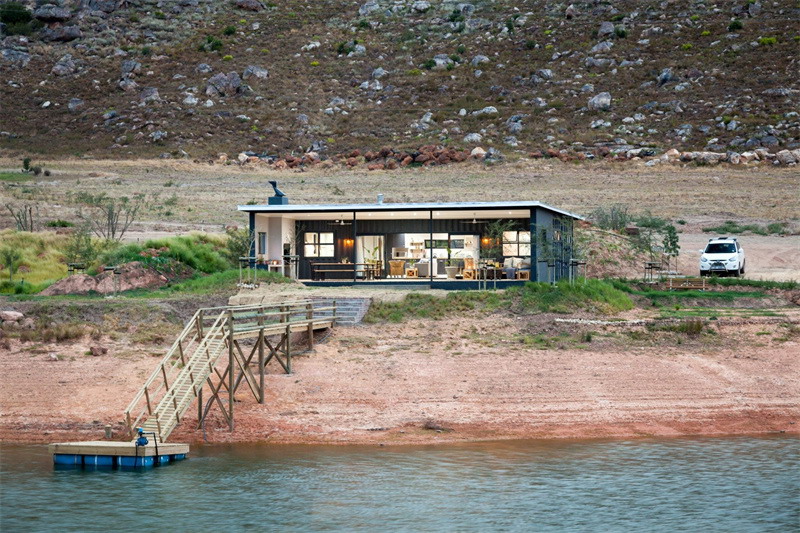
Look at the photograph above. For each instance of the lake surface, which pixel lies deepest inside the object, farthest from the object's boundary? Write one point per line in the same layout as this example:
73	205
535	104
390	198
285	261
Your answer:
700	484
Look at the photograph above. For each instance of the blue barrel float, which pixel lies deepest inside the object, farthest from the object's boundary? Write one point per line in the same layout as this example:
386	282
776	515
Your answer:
110	454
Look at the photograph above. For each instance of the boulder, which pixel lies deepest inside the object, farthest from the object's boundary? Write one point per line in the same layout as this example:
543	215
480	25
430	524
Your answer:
477	60
442	61
14	58
11	316
130	66
204	68
606	29
98	350
473	138
253	71
602	47
379	73
75	104
62	34
126	83
65	66
785	157
149	95
478	153
600	102
665	77
52	13
224	84
420	6
368	8
249	5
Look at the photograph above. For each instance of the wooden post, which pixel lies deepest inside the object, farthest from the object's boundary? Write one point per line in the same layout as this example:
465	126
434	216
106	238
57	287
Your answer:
288	350
200	406
310	316
261	365
231	369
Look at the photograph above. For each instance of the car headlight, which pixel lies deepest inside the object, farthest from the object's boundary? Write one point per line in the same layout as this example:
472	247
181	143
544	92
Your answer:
704	260
732	260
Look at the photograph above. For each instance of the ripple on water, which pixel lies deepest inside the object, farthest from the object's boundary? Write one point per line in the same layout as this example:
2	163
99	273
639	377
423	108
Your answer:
710	484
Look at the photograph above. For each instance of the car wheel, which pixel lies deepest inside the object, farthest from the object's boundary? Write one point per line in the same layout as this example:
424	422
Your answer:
742	270
734	273
703	274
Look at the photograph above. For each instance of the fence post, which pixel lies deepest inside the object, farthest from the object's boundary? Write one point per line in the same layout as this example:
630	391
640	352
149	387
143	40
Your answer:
231	369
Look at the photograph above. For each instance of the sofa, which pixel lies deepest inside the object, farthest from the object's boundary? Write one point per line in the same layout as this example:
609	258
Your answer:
512	265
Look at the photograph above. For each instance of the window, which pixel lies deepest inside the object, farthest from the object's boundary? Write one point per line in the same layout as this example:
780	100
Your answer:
516	243
318	244
262	243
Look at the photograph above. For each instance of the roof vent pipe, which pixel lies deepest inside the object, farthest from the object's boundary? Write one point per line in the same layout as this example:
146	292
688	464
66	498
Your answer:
380	198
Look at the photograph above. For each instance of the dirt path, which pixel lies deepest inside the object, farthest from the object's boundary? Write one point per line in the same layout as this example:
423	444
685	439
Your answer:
470	378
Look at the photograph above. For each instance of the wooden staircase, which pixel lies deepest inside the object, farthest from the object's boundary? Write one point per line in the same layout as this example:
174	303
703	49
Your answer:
191	364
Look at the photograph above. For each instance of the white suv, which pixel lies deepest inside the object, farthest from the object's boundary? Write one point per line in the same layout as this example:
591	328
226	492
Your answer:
722	256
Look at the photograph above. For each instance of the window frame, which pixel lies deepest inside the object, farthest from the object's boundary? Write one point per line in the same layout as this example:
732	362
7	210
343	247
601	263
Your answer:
320	249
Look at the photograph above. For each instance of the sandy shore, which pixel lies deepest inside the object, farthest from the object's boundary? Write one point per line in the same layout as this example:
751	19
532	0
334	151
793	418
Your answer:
467	378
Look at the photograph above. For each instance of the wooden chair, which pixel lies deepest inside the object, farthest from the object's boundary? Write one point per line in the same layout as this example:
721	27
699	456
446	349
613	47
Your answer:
397	268
469	271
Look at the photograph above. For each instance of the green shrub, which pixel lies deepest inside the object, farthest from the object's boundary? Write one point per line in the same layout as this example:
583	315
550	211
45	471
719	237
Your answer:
767	41
565	297
414	72
197	251
456	58
456	16
429	64
461	49
229	30
212	44
530	44
58	223
618	17
315	63
694	18
620	32
227	57
363	24
159	15
15	13
614	218
687	46
735	25
705	33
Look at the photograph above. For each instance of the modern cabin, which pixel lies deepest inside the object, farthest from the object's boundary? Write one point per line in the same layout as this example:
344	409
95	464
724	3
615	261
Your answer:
445	245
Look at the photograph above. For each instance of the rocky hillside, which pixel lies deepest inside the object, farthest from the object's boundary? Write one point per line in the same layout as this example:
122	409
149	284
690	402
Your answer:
193	78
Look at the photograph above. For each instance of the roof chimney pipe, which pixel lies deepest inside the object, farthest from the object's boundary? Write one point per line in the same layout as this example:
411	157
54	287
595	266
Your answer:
380	199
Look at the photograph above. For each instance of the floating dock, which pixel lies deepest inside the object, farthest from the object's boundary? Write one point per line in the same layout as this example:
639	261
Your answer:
116	454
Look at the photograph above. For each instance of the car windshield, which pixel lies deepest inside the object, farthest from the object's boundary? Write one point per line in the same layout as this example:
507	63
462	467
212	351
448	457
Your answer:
721	248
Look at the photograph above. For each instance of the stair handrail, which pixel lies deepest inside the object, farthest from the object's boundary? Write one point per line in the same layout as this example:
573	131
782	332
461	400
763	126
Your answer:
191	325
180	402
202	336
190	328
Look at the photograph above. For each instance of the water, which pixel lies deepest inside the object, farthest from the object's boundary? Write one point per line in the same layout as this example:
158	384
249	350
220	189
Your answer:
722	484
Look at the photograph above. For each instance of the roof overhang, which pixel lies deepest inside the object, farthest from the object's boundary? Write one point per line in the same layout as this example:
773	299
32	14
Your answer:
384	208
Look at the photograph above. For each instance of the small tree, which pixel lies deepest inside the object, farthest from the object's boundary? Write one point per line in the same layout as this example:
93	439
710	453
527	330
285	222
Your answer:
11	258
109	218
240	242
670	244
23	216
80	248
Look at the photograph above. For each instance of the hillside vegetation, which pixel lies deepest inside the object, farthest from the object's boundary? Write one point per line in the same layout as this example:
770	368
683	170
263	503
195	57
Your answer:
193	78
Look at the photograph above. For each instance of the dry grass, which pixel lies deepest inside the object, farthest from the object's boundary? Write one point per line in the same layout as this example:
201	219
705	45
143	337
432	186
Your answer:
208	195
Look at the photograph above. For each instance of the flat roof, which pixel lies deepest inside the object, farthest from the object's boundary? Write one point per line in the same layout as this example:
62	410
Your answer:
438	206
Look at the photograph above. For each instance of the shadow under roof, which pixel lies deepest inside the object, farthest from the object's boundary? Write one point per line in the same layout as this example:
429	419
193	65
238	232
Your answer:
383	207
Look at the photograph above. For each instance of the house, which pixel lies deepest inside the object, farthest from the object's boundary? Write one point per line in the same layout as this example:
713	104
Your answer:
441	244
